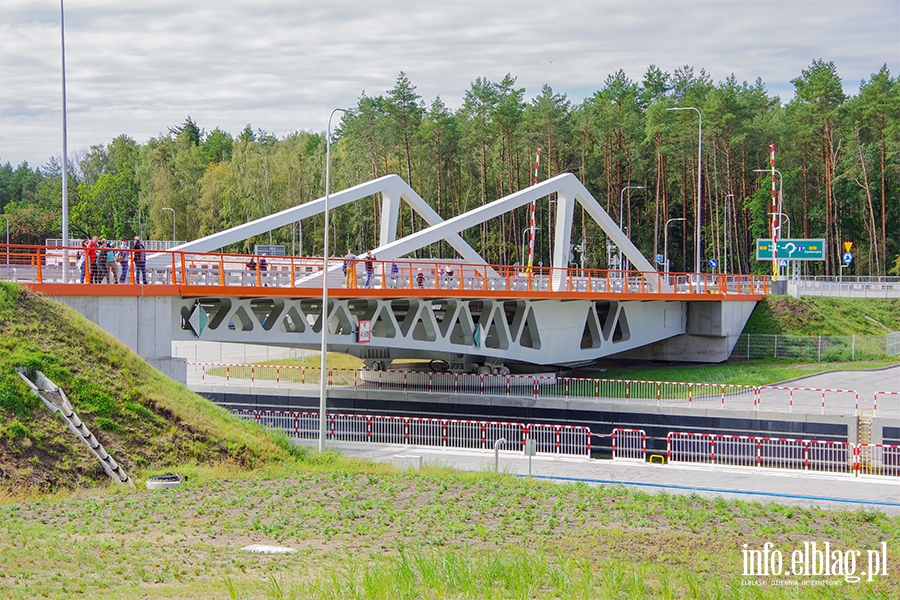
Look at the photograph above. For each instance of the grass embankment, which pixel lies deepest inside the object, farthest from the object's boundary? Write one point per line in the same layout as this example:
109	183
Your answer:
365	532
147	421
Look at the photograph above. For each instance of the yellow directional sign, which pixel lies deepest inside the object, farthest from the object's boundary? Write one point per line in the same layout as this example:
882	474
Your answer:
848	246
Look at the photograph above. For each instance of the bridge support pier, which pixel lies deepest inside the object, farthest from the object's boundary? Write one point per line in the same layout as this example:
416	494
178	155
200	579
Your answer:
143	323
712	331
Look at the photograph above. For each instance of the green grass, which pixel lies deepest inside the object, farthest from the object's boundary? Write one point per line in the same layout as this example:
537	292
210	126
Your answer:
145	419
364	531
757	372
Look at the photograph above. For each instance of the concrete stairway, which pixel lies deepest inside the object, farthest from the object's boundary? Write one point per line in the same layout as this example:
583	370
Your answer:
56	402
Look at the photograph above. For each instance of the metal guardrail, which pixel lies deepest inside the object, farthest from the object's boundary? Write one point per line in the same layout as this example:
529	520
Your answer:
842	288
411	277
559	440
575	441
630	444
783	453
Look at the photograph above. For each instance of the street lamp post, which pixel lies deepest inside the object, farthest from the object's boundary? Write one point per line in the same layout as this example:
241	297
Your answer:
173	222
699	184
323	383
725	262
65	150
524	233
666	241
783	216
623	264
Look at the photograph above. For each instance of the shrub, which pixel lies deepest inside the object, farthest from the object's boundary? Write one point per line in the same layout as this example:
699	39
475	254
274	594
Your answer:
17	431
109	425
15	396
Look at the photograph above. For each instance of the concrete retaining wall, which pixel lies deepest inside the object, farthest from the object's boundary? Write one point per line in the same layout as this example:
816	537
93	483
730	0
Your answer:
143	323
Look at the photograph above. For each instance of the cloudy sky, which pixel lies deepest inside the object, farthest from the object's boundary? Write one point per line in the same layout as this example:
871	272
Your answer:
140	67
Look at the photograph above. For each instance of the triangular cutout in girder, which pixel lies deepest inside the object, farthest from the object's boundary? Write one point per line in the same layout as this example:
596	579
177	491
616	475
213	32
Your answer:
530	337
383	325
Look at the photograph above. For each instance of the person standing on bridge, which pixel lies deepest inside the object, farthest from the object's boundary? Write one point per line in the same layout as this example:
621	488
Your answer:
91	254
263	267
370	267
82	261
122	259
102	270
395	270
111	265
349	269
140	261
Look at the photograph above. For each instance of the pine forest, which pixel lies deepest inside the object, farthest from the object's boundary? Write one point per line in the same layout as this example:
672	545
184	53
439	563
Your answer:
838	157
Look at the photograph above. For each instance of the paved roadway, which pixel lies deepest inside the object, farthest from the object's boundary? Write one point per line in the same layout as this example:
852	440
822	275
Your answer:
763	485
749	484
864	382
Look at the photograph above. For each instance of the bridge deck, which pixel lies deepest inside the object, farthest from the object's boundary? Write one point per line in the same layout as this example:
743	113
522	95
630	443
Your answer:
190	274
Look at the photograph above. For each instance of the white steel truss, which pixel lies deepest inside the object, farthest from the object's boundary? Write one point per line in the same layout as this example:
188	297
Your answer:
393	189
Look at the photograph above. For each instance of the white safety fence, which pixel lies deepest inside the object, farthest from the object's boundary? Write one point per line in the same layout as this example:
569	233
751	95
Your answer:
878	459
629	444
807	400
888	403
779	399
559	440
783	453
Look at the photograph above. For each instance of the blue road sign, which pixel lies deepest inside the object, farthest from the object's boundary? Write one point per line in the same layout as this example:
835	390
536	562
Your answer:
848	258
782	263
713	263
659	259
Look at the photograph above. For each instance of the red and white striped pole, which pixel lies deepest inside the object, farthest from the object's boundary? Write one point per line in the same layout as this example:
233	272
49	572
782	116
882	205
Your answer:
775	216
537	164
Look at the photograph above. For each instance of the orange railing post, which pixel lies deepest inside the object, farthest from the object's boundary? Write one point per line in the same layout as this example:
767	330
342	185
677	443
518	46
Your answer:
184	277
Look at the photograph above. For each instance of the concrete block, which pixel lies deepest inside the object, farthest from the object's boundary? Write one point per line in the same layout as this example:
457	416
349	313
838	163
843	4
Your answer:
408	461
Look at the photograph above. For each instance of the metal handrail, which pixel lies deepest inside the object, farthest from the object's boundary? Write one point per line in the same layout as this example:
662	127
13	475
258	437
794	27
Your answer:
40	265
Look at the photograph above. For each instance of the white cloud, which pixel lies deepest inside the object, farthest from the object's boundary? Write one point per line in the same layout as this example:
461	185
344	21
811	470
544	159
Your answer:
140	68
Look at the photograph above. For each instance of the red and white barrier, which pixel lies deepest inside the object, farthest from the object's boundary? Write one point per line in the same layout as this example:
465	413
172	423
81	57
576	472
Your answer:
688	395
890	404
779	453
629	444
807	400
563	440
878	459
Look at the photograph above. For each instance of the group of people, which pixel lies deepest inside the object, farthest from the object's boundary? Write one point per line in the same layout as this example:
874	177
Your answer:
262	266
349	269
105	261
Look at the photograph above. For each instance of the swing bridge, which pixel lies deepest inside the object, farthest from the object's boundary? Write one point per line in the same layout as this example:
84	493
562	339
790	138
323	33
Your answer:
464	313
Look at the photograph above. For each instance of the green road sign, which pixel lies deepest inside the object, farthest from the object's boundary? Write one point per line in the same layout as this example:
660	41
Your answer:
792	249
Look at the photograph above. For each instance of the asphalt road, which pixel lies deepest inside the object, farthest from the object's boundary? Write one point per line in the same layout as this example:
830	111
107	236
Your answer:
864	382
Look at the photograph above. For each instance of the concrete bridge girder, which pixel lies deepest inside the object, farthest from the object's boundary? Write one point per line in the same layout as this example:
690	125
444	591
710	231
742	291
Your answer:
538	332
